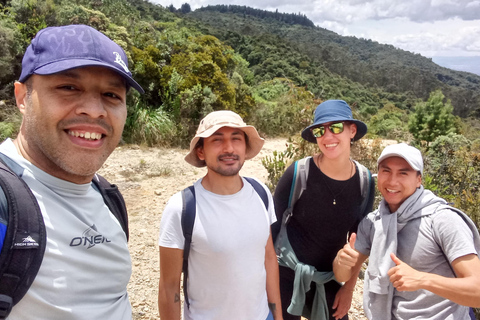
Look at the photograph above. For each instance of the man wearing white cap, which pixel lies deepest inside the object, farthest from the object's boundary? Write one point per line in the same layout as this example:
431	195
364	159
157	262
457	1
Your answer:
423	253
232	265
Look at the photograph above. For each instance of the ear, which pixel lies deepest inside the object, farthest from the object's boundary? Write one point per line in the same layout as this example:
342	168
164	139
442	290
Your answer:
200	153
21	96
353	130
419	179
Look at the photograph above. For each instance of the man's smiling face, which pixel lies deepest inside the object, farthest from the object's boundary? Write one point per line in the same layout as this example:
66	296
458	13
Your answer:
397	181
72	121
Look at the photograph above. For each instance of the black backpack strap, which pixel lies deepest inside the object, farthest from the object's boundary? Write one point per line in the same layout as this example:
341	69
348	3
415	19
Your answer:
259	189
25	238
113	199
188	219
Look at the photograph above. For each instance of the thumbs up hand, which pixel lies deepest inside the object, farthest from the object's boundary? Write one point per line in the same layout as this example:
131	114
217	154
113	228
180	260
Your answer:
403	277
353	238
347	256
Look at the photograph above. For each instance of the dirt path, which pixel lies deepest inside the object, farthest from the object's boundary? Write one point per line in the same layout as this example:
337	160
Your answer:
148	177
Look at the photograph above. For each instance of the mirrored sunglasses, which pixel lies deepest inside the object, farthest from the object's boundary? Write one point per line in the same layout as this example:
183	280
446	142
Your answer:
334	128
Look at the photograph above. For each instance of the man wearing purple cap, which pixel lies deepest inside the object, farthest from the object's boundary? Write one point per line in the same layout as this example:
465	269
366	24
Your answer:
72	95
423	254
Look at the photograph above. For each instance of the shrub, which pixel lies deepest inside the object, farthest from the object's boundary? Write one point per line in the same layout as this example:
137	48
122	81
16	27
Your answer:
278	163
148	126
282	108
452	171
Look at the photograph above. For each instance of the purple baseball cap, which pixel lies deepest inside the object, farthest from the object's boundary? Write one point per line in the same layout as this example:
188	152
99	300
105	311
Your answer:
56	49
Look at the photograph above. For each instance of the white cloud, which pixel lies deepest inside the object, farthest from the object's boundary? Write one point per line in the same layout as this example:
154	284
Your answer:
429	27
419	10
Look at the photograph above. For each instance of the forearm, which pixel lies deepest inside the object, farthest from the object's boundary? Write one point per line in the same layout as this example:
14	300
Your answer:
169	304
463	291
273	288
273	281
351	283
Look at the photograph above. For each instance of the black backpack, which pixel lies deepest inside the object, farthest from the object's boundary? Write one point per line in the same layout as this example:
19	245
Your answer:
25	237
188	219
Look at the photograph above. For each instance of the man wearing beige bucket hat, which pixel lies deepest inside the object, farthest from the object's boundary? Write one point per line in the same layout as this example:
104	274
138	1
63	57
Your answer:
232	265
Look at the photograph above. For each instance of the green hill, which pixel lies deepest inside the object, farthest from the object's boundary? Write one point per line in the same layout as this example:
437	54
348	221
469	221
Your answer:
363	61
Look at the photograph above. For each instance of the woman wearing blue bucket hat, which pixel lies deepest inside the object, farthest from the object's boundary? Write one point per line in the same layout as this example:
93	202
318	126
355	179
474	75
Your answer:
338	193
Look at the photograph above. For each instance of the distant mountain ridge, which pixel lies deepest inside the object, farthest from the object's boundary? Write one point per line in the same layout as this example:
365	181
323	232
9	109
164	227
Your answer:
363	61
290	18
467	64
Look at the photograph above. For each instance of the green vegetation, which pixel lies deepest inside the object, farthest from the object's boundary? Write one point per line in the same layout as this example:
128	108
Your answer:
387	72
432	119
273	69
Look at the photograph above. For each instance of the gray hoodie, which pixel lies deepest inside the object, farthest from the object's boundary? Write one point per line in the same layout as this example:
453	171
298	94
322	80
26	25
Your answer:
378	291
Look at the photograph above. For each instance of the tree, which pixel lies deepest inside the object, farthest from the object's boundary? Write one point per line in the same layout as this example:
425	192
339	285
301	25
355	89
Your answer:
185	8
432	119
11	48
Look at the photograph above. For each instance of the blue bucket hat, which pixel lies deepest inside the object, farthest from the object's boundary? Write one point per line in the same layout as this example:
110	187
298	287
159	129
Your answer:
333	111
57	49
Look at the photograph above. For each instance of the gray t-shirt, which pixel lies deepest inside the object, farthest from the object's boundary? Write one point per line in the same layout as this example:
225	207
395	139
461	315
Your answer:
423	244
86	266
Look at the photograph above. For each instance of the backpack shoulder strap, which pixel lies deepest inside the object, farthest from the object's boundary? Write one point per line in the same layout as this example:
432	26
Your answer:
25	238
365	181
299	184
113	199
259	189
299	181
187	221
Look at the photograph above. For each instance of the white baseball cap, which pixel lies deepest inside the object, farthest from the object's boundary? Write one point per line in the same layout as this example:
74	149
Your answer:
411	154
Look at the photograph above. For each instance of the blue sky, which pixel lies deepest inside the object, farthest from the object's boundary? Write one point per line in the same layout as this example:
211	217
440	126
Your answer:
429	27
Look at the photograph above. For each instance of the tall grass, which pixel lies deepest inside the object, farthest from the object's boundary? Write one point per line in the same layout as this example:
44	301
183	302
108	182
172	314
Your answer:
149	126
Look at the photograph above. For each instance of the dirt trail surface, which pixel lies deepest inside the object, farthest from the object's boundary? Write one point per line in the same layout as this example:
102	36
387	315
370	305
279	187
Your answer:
147	178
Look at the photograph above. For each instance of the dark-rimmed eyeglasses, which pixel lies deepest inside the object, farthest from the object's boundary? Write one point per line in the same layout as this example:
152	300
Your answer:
334	128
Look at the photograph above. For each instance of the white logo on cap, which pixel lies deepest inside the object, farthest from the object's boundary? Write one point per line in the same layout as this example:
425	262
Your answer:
120	61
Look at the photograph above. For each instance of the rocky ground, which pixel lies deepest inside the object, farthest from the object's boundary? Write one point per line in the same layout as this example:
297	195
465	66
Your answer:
148	177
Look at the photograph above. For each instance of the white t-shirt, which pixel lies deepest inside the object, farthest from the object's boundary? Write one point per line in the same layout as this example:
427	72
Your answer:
226	265
86	266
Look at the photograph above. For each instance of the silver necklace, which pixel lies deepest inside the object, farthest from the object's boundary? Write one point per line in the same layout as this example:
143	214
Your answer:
325	181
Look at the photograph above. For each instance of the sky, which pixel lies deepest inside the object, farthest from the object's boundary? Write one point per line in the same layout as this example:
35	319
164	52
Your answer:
432	28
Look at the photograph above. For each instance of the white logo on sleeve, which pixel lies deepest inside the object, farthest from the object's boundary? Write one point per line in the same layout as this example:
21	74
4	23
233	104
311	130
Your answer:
119	60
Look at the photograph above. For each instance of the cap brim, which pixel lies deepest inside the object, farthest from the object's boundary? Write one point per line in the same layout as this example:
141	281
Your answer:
65	65
395	154
255	143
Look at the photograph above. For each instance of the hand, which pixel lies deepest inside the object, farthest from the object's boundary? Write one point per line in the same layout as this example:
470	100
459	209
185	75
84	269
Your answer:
403	277
348	256
342	303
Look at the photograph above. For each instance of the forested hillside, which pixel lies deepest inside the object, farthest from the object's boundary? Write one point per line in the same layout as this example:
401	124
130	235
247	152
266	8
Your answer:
363	61
271	67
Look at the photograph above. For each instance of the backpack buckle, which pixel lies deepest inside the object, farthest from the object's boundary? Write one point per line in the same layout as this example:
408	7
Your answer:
6	304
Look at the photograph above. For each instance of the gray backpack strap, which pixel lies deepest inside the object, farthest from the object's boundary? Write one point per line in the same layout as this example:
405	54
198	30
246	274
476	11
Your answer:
365	180
299	184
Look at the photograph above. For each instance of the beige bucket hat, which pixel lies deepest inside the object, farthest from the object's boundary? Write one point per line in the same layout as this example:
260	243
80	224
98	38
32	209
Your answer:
216	120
